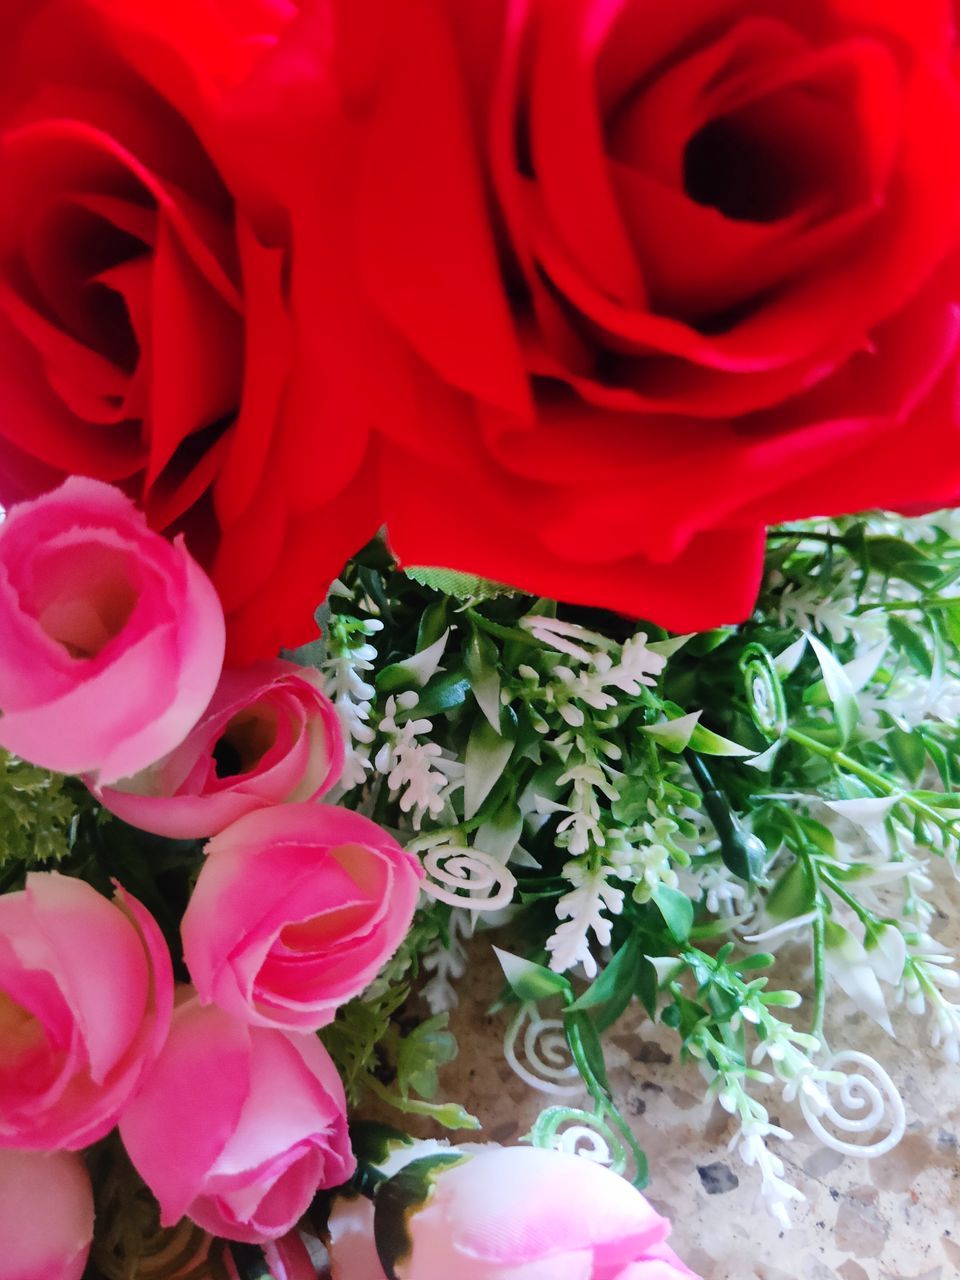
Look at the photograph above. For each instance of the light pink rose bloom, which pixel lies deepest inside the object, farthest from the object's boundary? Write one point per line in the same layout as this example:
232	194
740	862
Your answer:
269	736
86	990
112	638
522	1213
238	1127
46	1215
295	911
353	1252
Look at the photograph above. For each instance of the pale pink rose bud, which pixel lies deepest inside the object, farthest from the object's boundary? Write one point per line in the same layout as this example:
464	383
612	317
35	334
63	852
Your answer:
237	1126
353	1250
295	911
521	1212
269	736
86	989
46	1215
112	637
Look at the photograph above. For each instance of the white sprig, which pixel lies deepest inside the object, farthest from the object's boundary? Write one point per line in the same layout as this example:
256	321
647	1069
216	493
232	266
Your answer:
582	911
417	771
352	696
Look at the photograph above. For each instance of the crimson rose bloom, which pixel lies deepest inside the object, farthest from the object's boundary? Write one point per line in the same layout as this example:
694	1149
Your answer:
718	291
146	334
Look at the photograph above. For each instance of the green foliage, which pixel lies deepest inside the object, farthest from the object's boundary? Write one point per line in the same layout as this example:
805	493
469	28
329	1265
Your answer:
39	816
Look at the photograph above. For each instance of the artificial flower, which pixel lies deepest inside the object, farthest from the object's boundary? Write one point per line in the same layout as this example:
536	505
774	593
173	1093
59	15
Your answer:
236	1126
515	1213
112	637
147	336
46	1215
664	275
86	990
295	911
269	736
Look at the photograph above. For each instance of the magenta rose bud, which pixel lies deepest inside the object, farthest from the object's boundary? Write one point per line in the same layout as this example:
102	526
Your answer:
46	1215
515	1212
112	637
86	989
295	911
238	1127
269	736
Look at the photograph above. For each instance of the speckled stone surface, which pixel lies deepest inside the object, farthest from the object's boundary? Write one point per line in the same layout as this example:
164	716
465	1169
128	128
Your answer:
894	1218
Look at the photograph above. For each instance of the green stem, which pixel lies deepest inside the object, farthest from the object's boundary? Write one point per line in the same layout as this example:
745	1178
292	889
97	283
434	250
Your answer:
873	779
742	853
830	539
502	633
819	959
859	910
843	761
910	606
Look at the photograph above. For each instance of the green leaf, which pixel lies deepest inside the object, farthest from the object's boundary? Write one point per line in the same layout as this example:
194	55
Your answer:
951	621
794	894
910	642
373	1142
421	1052
462	586
433	623
908	752
677	911
846	713
708	743
445	691
647	986
485	759
449	1114
482	661
416	671
531	981
613	990
585	1045
675	734
397	1197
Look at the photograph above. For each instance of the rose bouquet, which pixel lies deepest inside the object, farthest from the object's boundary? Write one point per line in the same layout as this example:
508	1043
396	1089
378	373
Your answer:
464	467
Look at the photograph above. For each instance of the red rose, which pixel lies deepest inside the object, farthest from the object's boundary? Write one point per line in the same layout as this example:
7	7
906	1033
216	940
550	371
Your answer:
146	334
671	273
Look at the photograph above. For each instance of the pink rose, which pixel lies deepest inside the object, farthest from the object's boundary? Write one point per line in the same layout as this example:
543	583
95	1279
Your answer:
238	1126
86	990
269	736
46	1215
112	637
351	1244
522	1213
295	911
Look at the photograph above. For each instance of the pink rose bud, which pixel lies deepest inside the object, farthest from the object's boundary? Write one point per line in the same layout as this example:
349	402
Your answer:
238	1127
86	990
352	1247
112	637
269	736
543	1215
295	911
46	1215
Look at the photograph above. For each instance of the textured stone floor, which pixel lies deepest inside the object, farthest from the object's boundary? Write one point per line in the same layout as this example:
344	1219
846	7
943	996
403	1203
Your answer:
895	1218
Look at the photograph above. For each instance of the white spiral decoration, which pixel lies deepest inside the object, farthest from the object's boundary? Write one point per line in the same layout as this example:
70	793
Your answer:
581	1140
868	1100
469	878
544	1061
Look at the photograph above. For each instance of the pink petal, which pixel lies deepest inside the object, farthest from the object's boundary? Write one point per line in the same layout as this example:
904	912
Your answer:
46	1215
189	1105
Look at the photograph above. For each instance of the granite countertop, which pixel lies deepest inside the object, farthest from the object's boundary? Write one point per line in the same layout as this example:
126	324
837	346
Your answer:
893	1218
